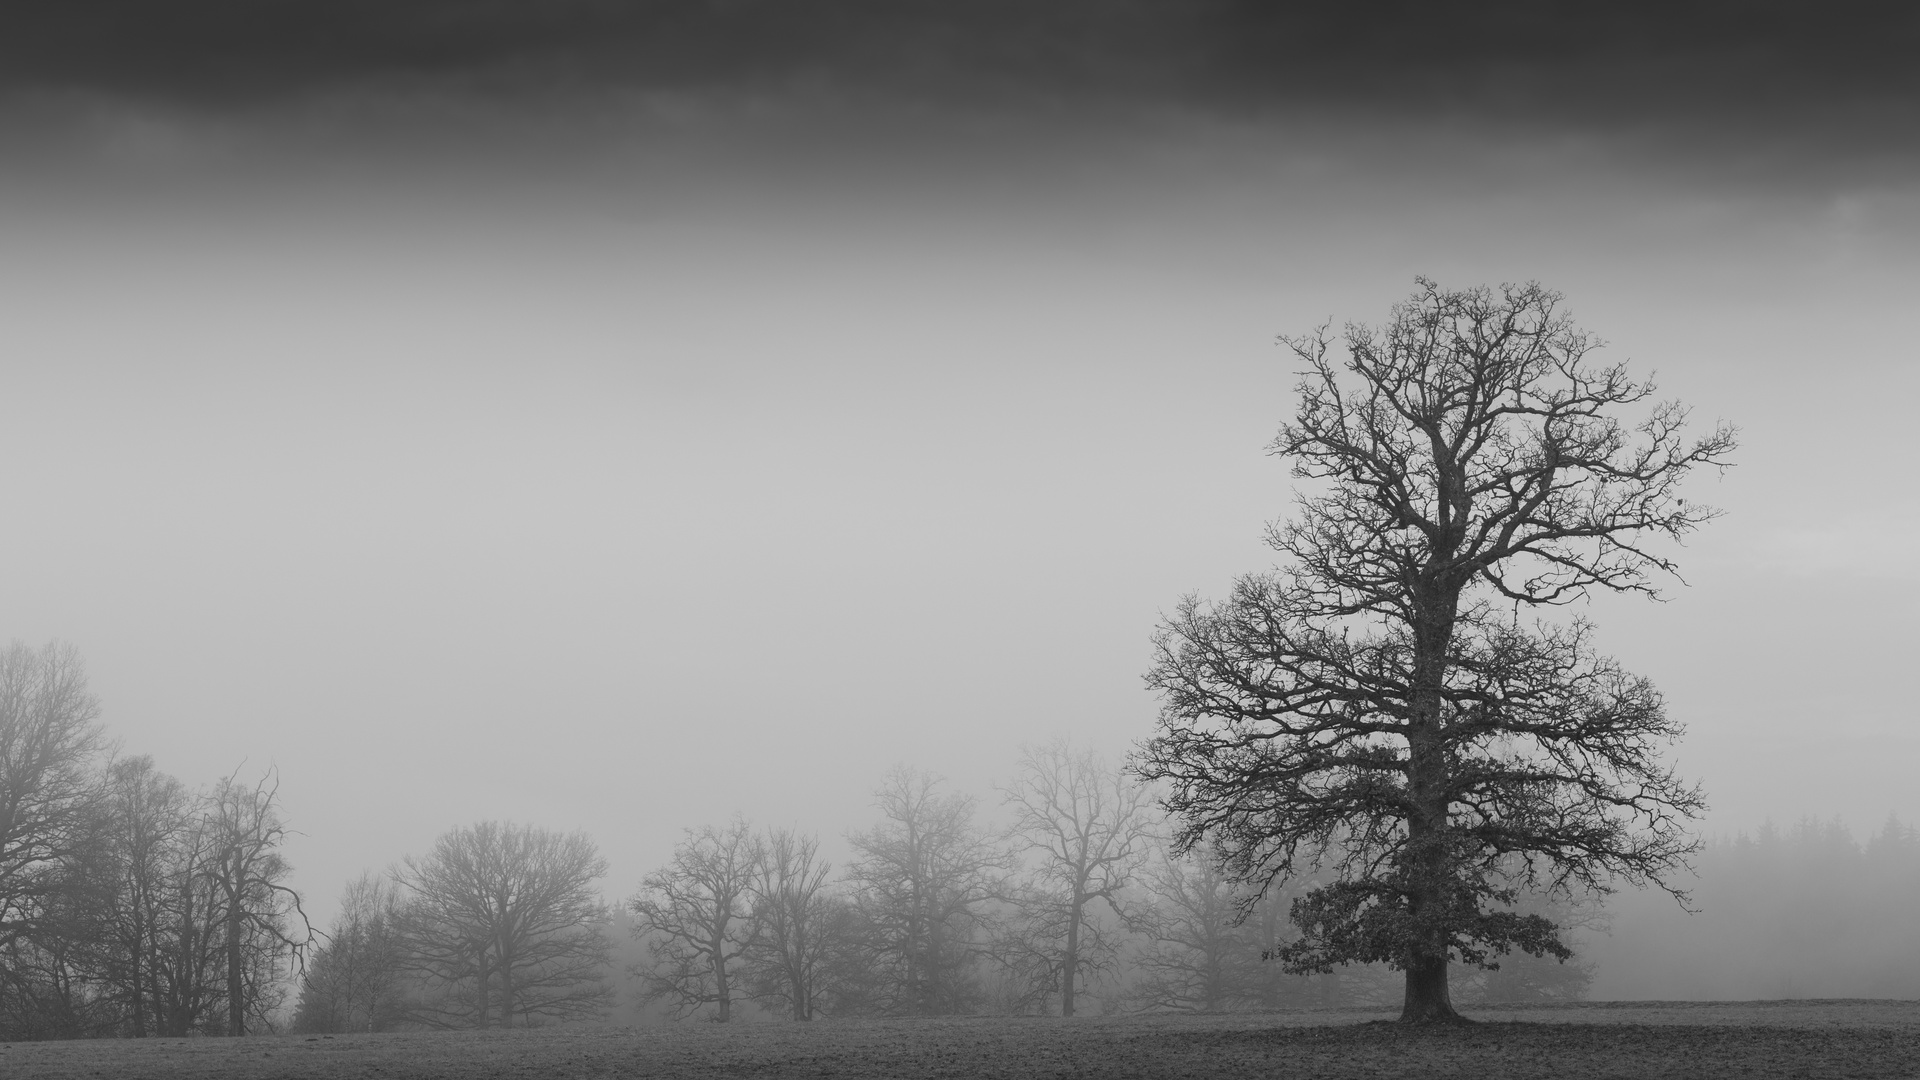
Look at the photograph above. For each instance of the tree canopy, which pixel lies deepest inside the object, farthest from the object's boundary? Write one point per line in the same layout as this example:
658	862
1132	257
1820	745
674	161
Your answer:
1382	708
505	919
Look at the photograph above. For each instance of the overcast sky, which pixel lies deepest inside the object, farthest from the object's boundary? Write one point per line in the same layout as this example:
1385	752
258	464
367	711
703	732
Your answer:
617	416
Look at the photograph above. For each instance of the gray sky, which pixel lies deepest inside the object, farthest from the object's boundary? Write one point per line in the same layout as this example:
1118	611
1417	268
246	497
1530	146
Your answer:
511	435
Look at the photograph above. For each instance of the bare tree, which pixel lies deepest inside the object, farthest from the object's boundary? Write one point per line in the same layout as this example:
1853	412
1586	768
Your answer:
795	916
1087	822
924	877
1205	951
505	919
1194	958
246	832
851	975
188	969
355	981
700	915
1370	709
49	842
53	988
192	922
127	905
49	739
148	812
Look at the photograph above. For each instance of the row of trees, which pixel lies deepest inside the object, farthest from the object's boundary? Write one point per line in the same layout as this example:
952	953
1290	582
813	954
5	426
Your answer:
129	903
927	914
935	915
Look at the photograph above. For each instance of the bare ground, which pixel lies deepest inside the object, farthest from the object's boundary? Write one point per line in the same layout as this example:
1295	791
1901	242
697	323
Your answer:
1824	1039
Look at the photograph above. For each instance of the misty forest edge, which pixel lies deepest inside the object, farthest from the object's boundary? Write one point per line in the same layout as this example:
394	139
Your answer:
1395	741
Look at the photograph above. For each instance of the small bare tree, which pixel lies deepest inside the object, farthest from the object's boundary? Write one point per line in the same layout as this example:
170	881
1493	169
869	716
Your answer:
795	918
1194	957
188	968
355	980
700	916
1203	950
49	739
1087	823
244	832
924	877
506	920
148	814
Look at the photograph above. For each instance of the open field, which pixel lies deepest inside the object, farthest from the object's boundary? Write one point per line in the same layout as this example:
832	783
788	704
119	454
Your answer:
1824	1039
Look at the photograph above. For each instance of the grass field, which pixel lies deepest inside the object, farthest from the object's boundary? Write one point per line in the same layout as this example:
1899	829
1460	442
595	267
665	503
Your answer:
1823	1039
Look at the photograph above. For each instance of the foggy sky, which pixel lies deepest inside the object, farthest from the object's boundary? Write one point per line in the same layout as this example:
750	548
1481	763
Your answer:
1621	58
619	416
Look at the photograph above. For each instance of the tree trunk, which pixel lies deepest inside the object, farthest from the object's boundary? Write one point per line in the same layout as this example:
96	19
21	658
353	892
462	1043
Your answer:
236	999
1070	961
139	985
505	964
155	1002
1429	868
725	999
797	985
482	1002
1428	1000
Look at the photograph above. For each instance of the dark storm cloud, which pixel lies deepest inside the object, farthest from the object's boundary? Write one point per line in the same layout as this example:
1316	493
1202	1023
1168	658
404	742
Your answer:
1607	61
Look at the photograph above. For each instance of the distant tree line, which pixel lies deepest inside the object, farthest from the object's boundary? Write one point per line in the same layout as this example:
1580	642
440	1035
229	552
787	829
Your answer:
1076	903
129	903
1079	896
1802	911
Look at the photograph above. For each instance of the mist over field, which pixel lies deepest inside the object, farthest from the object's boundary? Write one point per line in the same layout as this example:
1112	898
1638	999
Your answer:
619	417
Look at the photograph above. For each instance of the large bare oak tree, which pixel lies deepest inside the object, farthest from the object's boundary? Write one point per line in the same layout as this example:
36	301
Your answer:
1378	708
